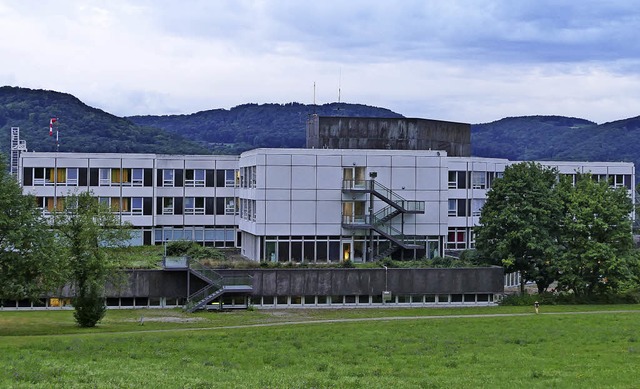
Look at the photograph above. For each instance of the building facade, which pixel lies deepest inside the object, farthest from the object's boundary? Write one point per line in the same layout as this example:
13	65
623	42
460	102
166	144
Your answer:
165	197
292	205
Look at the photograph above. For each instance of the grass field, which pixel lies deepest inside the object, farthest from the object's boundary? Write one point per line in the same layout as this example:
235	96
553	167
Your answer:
494	347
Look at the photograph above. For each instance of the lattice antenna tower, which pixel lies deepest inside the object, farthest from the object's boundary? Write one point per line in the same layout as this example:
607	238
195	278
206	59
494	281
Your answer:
17	146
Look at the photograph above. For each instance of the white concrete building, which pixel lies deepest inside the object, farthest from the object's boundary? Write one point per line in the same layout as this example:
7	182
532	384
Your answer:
312	205
166	197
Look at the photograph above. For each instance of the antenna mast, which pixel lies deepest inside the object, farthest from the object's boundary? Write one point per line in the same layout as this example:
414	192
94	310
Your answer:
339	84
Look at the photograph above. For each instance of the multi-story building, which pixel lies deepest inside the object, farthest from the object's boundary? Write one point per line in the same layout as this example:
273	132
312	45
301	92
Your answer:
312	205
165	197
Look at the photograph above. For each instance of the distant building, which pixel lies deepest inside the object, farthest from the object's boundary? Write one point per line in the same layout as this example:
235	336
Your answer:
389	134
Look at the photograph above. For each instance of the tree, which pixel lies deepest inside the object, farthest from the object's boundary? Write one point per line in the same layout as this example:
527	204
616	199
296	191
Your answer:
30	261
87	228
596	241
518	223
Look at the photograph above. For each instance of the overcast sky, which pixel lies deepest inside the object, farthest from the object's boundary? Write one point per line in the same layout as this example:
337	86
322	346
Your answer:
472	61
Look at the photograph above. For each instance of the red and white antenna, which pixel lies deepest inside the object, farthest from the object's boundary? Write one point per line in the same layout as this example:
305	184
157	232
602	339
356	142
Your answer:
51	123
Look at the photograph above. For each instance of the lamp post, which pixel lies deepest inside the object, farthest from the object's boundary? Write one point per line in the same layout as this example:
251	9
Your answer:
386	285
165	248
386	294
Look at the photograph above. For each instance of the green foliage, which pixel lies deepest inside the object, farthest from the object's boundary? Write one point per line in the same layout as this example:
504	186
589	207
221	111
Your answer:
86	228
347	264
518	225
589	349
578	234
89	309
193	250
137	257
30	262
596	254
82	128
249	126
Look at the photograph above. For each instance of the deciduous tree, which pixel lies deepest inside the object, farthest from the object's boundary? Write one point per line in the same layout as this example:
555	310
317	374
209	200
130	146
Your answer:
596	242
518	224
86	228
30	260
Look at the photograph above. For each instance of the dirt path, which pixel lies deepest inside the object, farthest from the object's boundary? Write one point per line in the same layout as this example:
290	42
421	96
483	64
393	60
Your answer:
352	320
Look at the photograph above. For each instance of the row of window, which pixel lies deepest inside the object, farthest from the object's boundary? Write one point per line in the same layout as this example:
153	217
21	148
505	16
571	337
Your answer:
248	177
465	207
484	180
472	180
460	238
219	236
197	206
248	209
165	205
40	176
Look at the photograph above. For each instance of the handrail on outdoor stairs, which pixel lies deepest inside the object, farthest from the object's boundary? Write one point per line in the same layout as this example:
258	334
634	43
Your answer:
379	221
217	285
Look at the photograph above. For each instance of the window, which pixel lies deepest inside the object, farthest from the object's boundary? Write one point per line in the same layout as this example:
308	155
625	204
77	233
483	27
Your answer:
457	239
476	206
453	207
137	177
116	176
43	176
167	177
354	177
230	178
116	204
46	204
167	205
253	172
104	201
472	239
479	180
194	177
458	207
243	177
136	206
105	177
253	215
194	206
231	206
72	176
620	181
457	180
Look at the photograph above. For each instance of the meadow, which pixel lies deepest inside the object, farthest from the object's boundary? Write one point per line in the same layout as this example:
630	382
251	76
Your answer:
496	347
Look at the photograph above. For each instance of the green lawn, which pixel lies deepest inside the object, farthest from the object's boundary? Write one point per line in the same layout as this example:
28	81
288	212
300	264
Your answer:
427	348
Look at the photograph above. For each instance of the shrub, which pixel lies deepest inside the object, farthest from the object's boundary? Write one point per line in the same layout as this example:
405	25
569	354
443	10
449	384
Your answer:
193	250
89	310
347	264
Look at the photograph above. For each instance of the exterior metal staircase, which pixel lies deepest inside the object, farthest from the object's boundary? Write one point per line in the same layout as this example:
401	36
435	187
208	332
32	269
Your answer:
217	285
380	221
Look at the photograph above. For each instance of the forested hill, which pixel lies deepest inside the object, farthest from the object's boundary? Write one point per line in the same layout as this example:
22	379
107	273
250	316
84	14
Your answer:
87	129
557	138
82	128
249	126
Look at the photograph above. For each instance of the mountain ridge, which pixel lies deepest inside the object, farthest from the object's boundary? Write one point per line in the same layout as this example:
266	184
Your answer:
231	131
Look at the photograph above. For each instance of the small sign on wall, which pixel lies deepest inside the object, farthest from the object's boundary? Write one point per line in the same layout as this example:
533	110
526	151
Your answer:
386	296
